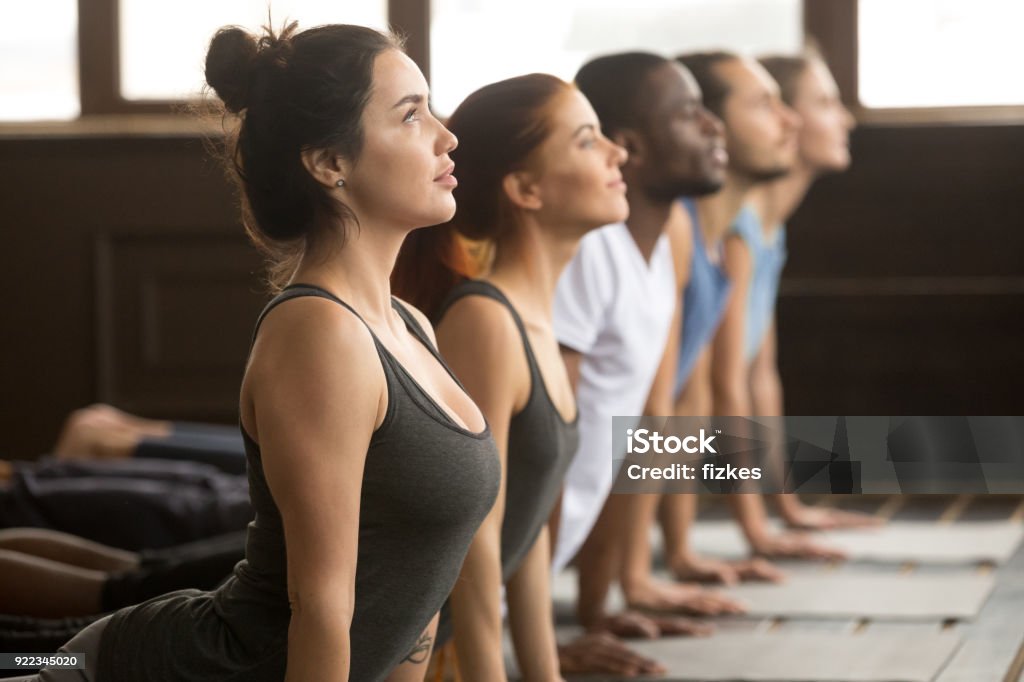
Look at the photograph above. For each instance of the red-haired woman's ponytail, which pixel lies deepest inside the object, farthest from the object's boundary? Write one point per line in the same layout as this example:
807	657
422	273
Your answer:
432	261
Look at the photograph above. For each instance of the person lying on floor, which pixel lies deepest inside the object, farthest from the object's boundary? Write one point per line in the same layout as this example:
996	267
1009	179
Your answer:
128	504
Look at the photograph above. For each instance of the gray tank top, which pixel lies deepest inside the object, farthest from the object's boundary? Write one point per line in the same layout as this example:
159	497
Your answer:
427	485
541	445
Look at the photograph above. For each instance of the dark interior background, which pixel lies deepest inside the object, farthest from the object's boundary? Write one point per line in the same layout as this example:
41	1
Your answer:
904	292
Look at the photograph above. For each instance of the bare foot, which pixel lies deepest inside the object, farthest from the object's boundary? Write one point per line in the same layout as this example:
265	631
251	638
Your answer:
6	471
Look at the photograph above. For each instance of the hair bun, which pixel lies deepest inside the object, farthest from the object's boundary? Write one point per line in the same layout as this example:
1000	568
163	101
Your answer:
230	63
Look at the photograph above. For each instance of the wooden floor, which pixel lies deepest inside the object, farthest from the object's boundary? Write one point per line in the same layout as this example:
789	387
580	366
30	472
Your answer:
993	644
993	647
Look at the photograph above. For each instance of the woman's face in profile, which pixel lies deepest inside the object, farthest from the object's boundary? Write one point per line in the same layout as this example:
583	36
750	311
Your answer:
403	174
825	135
577	168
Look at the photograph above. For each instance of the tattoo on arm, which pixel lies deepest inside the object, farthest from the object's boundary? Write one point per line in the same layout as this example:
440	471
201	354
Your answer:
421	651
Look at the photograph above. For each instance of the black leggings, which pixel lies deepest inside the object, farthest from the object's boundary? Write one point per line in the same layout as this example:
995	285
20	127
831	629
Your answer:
220	446
131	504
201	565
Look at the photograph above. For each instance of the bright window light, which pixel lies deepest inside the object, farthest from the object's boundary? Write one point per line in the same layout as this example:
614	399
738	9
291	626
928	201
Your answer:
476	42
39	61
163	45
940	53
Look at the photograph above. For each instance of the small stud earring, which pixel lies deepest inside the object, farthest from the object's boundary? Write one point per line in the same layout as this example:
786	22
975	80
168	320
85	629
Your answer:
341	183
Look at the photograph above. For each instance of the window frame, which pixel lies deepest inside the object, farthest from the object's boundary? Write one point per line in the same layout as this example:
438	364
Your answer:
833	26
99	50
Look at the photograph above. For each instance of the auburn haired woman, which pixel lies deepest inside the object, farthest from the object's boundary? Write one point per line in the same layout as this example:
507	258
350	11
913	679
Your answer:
535	174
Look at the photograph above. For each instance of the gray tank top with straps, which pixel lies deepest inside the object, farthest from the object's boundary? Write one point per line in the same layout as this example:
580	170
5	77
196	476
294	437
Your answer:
541	444
427	485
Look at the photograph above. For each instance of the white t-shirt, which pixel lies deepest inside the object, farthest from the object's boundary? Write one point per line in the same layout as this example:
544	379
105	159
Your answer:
615	308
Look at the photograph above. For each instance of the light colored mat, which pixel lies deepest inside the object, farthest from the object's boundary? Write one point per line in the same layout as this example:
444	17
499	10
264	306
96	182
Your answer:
803	657
897	542
832	595
880	597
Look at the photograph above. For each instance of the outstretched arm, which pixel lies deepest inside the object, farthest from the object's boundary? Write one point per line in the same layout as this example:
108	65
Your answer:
530	614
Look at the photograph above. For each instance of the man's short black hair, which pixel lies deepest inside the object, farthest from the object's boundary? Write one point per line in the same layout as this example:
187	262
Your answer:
614	84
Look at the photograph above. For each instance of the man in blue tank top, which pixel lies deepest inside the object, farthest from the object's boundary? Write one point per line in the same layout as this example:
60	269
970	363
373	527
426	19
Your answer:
760	133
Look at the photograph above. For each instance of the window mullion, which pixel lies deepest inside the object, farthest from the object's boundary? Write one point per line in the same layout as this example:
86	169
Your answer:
832	24
98	56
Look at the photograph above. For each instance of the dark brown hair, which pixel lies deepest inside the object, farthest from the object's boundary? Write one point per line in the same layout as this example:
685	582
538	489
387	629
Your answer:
292	91
498	126
787	70
713	87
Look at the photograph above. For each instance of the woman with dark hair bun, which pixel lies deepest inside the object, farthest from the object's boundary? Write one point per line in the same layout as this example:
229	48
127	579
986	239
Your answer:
536	175
366	458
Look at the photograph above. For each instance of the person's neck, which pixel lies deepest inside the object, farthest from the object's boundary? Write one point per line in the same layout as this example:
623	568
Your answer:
717	211
356	269
528	261
648	218
775	202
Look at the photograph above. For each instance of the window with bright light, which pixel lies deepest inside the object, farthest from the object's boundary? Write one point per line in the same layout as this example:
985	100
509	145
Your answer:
39	61
940	53
476	42
163	44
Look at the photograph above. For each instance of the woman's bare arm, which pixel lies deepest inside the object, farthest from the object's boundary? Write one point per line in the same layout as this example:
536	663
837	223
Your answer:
480	342
531	615
314	393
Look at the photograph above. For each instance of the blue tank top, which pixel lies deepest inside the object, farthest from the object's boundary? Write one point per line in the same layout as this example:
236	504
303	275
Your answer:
704	300
768	257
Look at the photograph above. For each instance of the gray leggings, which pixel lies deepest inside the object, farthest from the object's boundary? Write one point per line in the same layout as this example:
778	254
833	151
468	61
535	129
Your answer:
85	642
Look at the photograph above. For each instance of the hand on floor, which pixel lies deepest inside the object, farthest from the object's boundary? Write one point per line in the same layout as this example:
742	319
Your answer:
670	596
695	568
793	546
602	652
634	625
804	517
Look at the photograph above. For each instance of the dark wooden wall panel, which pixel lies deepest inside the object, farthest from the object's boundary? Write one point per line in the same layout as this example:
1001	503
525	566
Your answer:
172	309
904	292
934	201
164	211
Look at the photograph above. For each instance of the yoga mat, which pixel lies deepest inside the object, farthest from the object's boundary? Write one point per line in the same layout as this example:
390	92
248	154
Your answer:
803	657
832	595
879	597
897	542
958	543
